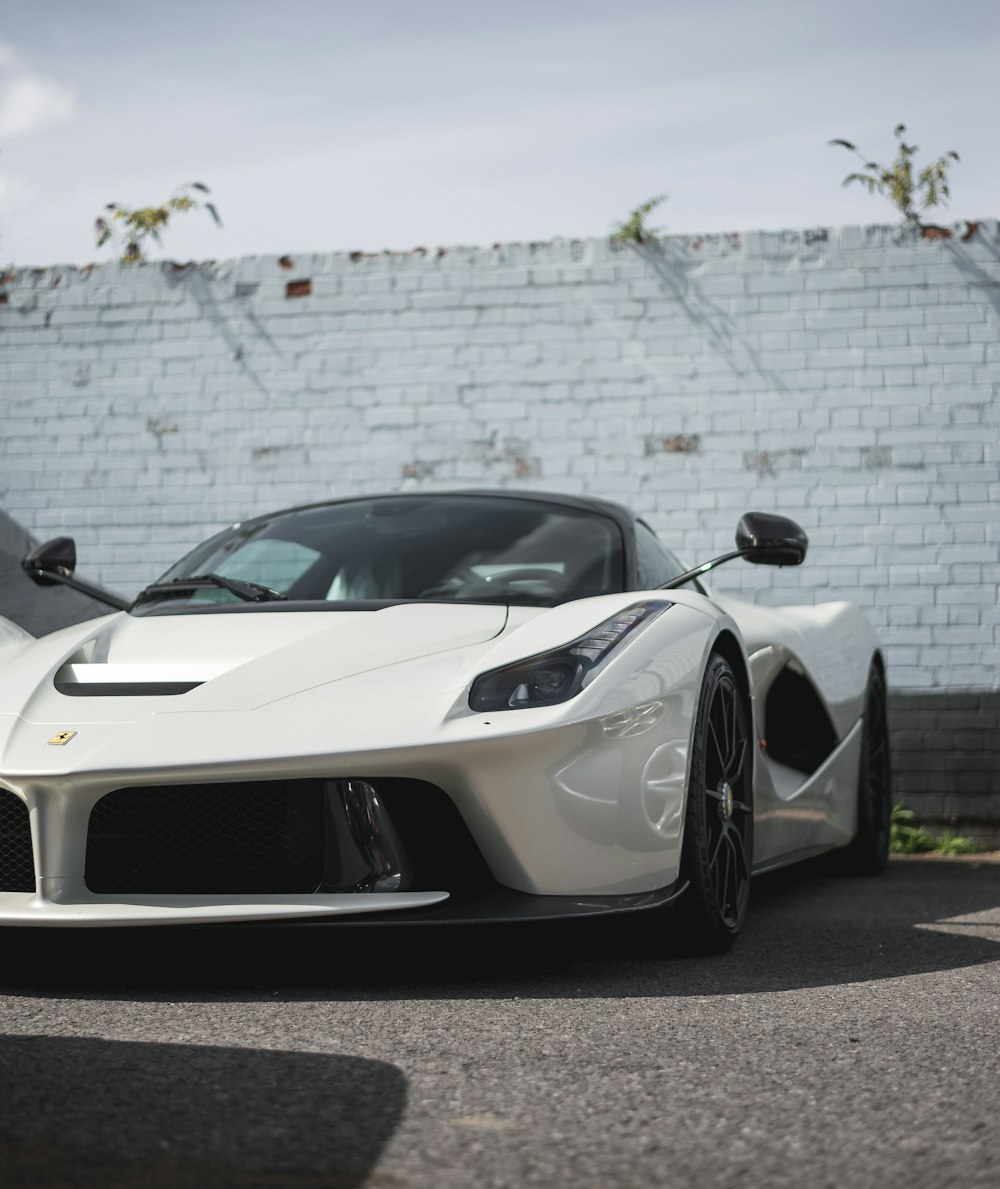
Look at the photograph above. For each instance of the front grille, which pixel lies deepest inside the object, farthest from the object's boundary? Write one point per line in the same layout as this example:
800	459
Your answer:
17	872
268	837
265	837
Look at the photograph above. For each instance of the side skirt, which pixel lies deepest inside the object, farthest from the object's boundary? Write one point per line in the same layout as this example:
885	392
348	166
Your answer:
799	856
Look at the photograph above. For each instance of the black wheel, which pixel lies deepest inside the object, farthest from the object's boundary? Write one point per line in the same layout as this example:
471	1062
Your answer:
717	854
869	852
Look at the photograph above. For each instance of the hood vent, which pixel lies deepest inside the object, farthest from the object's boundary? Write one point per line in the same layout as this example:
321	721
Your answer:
130	681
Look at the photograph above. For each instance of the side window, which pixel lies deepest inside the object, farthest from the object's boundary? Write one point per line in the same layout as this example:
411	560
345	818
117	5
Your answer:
654	563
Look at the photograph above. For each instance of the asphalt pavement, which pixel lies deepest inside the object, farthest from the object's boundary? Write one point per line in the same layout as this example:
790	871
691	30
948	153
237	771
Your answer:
851	1038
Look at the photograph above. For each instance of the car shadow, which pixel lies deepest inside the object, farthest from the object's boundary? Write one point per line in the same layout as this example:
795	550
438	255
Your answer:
115	1114
805	929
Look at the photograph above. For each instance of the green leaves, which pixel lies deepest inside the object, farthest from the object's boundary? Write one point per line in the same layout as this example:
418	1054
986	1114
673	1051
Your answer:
896	181
139	224
907	839
634	229
955	844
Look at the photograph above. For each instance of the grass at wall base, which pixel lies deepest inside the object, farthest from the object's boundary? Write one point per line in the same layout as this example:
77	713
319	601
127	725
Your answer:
906	838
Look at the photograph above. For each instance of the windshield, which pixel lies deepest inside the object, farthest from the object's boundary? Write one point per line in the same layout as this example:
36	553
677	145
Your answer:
461	548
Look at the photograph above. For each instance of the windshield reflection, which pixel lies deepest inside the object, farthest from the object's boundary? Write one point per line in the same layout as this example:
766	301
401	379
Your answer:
436	548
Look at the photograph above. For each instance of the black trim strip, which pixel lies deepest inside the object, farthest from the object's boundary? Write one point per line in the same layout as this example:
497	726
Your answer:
298	605
124	689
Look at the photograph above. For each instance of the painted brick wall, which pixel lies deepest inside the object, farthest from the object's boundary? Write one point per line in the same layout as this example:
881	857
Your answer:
847	378
947	760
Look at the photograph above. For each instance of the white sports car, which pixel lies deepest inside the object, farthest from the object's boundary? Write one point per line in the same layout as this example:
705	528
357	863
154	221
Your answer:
454	707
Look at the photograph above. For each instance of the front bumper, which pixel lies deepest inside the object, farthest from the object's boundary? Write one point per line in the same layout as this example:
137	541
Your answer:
579	819
495	906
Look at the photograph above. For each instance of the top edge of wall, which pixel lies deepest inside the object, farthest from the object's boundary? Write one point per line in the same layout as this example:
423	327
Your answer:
782	244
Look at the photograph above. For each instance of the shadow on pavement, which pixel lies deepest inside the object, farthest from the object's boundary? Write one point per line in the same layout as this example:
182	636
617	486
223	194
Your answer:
115	1114
804	930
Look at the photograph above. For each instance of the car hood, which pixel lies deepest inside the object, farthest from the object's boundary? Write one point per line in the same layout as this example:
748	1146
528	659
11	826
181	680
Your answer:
244	693
128	664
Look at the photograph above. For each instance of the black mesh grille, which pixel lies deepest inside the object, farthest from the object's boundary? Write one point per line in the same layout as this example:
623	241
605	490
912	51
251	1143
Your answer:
264	837
17	872
441	852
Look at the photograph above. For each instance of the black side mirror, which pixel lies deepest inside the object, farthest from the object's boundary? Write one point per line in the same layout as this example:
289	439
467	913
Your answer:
51	562
771	540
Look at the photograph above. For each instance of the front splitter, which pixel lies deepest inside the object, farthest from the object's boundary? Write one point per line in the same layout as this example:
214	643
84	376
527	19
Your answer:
498	904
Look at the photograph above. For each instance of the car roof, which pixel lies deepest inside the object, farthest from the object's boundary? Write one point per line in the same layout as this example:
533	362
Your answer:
622	516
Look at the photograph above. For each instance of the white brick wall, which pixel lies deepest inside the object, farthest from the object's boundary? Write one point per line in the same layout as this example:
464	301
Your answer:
848	379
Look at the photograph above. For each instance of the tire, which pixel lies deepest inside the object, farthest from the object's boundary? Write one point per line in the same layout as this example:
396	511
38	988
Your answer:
717	853
869	851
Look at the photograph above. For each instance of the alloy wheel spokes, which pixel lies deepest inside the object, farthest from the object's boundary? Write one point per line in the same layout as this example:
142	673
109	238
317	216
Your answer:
728	738
735	764
715	759
740	854
877	773
729	872
730	875
734	745
741	876
728	826
721	872
713	857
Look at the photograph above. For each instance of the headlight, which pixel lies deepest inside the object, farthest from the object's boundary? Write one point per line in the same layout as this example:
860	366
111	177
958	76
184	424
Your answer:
557	676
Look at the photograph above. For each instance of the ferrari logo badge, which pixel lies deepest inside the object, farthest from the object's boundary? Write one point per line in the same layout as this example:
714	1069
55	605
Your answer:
62	738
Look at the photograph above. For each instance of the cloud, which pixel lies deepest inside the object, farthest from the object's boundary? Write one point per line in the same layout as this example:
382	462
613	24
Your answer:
29	102
16	193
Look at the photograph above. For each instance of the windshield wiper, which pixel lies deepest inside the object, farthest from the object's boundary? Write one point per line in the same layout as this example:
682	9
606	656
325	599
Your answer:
249	592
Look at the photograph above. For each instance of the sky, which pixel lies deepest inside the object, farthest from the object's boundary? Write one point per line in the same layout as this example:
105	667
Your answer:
329	125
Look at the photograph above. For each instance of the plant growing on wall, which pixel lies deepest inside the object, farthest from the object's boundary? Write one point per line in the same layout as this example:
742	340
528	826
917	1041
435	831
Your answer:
897	182
129	228
633	230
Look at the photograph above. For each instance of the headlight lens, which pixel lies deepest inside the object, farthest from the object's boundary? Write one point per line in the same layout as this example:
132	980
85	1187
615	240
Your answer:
557	676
